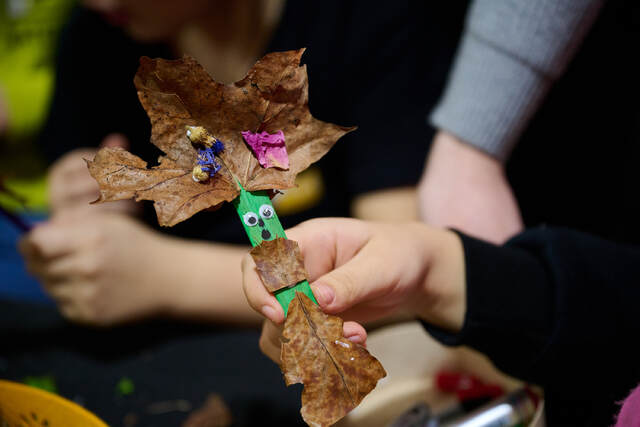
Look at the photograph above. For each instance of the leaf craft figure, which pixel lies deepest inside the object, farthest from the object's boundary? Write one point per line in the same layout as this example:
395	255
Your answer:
236	143
272	99
337	374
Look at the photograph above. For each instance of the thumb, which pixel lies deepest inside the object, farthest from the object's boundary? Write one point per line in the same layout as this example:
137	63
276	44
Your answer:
115	140
352	283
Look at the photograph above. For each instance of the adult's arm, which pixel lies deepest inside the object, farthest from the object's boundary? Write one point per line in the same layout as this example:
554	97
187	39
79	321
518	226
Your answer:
510	54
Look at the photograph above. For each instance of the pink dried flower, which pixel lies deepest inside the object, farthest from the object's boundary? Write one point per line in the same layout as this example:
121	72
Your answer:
268	148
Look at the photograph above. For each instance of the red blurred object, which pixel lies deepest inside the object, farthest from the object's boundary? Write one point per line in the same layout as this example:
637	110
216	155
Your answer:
466	387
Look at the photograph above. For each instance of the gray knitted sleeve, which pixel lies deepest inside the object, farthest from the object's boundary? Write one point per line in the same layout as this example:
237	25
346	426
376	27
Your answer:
510	54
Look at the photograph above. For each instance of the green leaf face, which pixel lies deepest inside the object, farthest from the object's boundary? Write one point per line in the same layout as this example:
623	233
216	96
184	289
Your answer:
258	216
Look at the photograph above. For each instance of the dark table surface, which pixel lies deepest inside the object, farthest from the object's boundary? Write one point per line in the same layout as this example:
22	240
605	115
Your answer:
166	361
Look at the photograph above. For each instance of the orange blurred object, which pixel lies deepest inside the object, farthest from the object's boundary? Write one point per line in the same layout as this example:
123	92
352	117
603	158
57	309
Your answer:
24	405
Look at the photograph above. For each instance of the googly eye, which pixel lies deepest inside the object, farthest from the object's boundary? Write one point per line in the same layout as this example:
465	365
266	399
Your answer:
250	219
266	211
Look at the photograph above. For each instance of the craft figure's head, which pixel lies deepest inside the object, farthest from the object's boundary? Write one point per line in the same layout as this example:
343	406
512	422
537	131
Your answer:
264	218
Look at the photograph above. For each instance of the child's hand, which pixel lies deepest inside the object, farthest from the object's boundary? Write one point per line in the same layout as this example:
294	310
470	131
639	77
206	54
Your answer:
100	269
365	271
72	187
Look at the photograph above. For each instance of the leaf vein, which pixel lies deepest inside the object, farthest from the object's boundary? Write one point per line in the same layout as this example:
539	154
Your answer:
312	326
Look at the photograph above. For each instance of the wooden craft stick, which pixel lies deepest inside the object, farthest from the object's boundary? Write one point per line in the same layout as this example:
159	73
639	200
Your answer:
261	222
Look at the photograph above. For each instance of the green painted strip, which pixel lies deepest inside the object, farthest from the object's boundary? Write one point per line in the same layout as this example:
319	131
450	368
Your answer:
286	295
250	202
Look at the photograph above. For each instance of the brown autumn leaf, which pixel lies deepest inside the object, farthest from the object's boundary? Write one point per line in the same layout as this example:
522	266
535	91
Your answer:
337	374
272	96
177	196
279	263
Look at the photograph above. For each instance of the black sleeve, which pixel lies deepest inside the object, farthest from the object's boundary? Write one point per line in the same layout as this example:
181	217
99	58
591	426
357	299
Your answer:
557	308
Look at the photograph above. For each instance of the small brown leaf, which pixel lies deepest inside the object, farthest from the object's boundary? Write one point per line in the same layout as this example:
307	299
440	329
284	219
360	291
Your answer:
121	175
337	374
279	263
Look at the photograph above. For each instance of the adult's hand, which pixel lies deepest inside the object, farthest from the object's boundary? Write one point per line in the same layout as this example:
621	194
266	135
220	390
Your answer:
71	187
465	188
365	271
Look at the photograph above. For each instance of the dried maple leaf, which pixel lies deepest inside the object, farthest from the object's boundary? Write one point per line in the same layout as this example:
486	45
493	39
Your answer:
272	97
337	374
279	263
122	175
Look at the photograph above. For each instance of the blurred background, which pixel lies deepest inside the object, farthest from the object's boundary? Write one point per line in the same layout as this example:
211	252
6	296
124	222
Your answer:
66	88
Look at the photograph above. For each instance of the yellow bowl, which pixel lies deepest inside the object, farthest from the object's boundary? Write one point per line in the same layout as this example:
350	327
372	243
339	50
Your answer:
21	405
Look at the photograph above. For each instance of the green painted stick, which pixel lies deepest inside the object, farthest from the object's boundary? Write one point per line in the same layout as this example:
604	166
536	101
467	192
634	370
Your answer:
250	205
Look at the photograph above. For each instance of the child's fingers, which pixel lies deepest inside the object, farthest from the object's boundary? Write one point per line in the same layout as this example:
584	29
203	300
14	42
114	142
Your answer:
259	298
354	332
76	265
82	190
327	243
115	140
270	343
46	241
349	284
